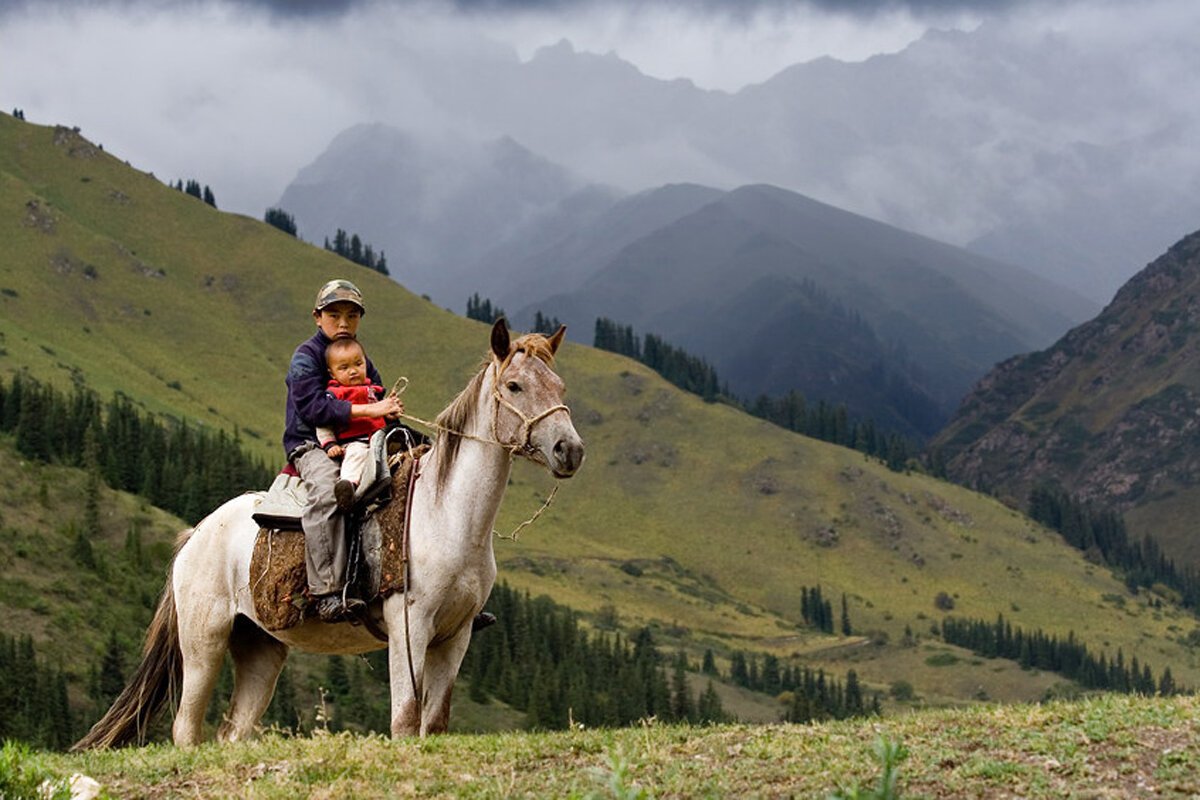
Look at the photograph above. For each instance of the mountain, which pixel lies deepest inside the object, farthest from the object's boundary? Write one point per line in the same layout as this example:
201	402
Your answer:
1109	412
782	292
691	518
433	205
564	256
1069	157
845	309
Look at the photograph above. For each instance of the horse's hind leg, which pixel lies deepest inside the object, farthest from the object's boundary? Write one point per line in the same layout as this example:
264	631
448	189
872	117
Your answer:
257	661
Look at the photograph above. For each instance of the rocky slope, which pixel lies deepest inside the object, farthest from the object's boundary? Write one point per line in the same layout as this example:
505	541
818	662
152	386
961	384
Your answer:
1111	411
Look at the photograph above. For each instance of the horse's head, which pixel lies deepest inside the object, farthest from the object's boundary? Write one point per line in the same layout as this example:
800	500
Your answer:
531	418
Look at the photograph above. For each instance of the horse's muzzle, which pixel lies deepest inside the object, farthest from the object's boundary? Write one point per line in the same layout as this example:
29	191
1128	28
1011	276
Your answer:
566	457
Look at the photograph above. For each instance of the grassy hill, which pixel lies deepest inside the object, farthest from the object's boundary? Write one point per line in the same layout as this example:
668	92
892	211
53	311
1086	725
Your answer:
693	518
1107	747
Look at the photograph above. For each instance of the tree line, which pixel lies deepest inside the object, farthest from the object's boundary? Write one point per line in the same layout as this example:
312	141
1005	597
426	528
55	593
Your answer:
1103	534
807	694
539	660
482	310
192	187
353	248
817	611
824	421
182	468
33	696
832	423
278	218
690	373
1068	657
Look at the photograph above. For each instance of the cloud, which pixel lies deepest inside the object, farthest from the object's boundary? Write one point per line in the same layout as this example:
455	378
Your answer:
240	94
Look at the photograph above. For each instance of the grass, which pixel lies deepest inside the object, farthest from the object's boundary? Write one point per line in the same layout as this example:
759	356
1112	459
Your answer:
1106	746
184	303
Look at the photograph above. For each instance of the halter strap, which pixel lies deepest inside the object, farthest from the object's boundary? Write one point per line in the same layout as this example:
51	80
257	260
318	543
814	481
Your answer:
524	446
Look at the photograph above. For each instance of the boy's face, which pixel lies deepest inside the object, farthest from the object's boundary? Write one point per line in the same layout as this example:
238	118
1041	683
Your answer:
349	367
339	320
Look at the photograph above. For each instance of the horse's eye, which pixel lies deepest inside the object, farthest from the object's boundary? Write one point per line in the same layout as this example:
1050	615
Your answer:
514	387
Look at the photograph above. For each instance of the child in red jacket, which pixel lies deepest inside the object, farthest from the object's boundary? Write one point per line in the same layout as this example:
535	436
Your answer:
347	362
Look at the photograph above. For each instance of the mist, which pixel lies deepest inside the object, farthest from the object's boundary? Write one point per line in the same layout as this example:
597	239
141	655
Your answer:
242	95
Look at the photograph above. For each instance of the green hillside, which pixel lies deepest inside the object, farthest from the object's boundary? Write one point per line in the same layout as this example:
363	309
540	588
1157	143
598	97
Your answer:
693	518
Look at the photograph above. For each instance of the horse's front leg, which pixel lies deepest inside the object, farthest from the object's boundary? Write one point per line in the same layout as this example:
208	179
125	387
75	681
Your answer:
442	663
405	672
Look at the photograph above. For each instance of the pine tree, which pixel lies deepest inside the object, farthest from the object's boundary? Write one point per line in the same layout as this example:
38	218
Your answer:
682	708
709	664
111	675
285	222
708	707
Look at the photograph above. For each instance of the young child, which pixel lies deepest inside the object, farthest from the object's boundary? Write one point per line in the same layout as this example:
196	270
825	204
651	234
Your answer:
347	362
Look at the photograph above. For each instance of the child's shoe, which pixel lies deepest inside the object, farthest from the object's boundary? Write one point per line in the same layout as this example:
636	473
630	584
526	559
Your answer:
343	493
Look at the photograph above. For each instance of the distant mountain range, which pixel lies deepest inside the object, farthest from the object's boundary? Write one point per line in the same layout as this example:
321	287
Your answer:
1071	160
1110	412
778	291
434	206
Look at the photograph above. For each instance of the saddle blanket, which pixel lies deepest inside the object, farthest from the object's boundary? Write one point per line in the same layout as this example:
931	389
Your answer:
278	576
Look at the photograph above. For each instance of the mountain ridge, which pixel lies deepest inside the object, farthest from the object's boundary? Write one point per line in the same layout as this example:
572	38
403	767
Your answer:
1107	411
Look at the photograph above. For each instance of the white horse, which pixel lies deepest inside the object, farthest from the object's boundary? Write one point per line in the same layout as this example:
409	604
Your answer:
513	406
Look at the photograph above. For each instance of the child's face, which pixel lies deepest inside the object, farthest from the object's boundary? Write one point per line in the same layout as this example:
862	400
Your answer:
339	320
349	367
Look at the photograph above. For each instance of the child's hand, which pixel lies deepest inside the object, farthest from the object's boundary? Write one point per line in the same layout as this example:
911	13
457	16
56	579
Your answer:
336	451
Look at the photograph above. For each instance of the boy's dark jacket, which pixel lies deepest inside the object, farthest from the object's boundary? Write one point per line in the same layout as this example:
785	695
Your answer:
308	404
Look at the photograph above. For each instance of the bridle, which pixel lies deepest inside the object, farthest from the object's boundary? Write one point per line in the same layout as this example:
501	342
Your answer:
523	445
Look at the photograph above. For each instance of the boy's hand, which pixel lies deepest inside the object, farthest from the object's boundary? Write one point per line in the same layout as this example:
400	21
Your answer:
391	407
336	451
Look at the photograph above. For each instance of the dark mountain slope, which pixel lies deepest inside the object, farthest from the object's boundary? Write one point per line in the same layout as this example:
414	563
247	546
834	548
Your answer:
937	317
1111	411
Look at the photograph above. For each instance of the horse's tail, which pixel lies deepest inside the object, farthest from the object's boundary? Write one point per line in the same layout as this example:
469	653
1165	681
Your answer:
155	681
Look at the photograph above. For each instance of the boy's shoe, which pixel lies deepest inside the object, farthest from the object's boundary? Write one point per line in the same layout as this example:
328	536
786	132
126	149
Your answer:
343	493
331	607
484	619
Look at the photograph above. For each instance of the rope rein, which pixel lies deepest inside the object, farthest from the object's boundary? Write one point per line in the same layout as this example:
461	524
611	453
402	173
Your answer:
523	448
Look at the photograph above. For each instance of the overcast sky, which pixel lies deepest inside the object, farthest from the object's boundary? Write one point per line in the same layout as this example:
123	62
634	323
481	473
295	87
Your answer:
240	94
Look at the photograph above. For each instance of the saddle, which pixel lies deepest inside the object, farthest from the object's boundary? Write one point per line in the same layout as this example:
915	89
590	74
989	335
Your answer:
278	576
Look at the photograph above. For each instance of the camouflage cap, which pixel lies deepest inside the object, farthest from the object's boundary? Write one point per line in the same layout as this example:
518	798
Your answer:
339	291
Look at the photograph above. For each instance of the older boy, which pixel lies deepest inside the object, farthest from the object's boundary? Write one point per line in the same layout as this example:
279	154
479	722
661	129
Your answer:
337	311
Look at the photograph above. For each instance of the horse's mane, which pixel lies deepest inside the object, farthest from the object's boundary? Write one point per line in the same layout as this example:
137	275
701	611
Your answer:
455	416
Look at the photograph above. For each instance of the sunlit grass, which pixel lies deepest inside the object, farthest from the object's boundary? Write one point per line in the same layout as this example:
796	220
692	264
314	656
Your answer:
1106	746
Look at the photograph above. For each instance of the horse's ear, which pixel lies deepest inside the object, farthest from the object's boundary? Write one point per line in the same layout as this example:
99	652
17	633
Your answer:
500	340
557	338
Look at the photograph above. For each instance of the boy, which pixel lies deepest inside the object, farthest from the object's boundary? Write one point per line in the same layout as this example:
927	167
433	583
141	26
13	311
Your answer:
347	363
337	312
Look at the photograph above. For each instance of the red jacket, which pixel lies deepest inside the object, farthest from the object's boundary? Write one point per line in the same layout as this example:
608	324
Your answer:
359	428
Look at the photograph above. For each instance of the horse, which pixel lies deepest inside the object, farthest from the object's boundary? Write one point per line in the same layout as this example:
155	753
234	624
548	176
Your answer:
511	407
